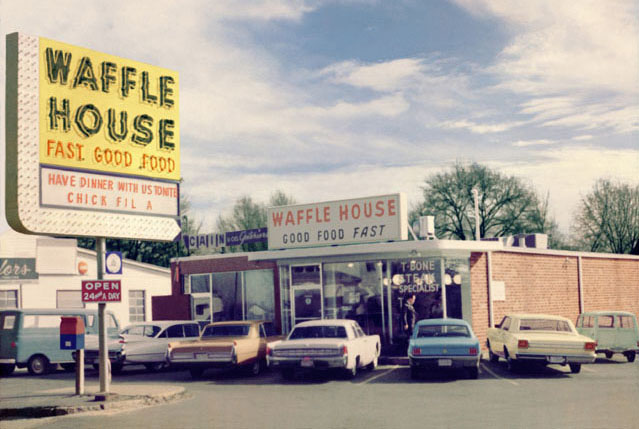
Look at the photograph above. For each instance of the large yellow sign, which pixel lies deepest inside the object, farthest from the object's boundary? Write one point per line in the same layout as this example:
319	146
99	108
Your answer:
104	113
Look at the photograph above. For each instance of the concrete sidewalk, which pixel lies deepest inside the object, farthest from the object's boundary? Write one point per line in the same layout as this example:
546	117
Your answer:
63	401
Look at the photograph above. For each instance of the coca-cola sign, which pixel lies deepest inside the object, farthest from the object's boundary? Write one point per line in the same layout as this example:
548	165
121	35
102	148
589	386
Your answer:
18	269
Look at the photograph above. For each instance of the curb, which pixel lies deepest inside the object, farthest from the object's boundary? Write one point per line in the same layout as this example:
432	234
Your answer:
117	402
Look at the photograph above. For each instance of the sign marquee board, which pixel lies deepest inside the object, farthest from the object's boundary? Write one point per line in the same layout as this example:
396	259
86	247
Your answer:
92	143
361	220
101	291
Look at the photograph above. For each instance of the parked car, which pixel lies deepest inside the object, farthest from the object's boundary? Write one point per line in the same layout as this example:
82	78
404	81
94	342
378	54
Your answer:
116	351
31	338
443	343
539	338
224	345
146	343
325	344
614	332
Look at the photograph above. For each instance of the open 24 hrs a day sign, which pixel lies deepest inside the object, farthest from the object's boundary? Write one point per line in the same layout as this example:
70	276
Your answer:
101	291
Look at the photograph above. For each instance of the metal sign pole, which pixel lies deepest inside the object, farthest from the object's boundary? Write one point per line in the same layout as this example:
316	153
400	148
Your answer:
100	244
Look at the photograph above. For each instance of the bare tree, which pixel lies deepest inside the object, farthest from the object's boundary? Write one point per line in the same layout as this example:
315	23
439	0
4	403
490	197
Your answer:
506	204
607	219
248	214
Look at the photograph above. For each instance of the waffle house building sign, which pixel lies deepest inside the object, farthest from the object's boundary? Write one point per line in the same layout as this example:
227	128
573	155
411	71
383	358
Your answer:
107	134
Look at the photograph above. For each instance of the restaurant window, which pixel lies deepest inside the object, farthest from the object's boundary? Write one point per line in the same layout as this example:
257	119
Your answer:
243	295
137	310
69	299
353	290
8	299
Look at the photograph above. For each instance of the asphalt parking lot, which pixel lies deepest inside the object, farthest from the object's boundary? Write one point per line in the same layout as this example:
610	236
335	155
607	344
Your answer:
604	394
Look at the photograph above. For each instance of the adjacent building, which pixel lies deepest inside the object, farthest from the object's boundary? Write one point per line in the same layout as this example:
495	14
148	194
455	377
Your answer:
45	272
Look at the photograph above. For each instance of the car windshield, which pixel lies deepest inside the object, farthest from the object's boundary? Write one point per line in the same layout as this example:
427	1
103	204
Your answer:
544	325
318	332
442	331
226	331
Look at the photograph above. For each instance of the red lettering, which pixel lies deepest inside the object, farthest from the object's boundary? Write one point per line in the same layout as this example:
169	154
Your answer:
379	208
391	208
343	212
289	219
277	218
327	214
369	212
356	213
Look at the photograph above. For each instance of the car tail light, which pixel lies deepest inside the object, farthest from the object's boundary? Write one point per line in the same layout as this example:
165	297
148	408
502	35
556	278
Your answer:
522	344
269	351
344	350
13	344
417	351
590	346
472	351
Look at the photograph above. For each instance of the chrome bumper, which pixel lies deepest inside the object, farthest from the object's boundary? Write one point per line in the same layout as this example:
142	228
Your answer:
311	363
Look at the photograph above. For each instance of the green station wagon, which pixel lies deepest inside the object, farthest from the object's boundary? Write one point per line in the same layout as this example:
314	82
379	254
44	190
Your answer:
614	332
31	338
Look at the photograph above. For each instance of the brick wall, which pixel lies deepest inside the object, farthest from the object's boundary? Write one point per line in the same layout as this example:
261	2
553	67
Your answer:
549	284
611	284
479	294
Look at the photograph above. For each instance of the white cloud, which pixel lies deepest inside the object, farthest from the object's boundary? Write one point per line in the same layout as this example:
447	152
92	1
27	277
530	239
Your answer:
385	76
480	128
540	142
568	174
583	55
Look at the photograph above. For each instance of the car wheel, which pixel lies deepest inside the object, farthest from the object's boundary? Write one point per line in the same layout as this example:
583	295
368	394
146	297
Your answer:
473	372
630	356
196	373
116	368
414	373
255	368
492	356
608	355
7	369
38	365
288	374
153	367
374	363
575	368
352	372
511	363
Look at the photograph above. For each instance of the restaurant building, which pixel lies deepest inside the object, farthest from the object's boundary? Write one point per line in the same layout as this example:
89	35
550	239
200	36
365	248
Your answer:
478	281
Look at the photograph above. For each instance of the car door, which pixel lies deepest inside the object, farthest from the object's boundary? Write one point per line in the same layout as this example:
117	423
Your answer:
500	337
626	338
605	331
367	346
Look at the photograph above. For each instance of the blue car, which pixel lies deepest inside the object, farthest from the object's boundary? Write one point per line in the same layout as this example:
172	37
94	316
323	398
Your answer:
443	344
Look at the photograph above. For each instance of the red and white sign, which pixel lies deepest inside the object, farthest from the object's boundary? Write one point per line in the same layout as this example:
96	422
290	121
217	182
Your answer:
90	191
101	291
361	220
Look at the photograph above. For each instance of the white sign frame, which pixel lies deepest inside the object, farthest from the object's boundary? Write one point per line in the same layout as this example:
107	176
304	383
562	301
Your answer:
23	210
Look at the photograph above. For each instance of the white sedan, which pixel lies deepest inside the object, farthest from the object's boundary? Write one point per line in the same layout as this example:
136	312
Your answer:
147	342
324	344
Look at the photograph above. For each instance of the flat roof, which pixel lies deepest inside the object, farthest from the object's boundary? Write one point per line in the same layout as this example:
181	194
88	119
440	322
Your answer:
390	249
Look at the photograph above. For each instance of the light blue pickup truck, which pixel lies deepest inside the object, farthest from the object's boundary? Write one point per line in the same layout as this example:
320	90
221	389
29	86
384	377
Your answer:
614	332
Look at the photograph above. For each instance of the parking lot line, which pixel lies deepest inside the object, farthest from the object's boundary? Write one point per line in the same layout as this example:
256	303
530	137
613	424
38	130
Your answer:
489	371
380	375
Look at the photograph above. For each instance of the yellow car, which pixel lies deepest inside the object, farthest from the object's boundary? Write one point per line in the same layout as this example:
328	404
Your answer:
539	338
224	345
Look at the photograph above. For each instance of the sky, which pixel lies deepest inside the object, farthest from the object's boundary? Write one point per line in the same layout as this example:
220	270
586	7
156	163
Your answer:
330	100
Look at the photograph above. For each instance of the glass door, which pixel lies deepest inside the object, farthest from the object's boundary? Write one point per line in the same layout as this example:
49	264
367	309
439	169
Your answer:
306	292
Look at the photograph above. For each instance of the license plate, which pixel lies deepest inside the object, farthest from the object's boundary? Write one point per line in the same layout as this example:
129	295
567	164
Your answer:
556	359
306	362
200	355
445	362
